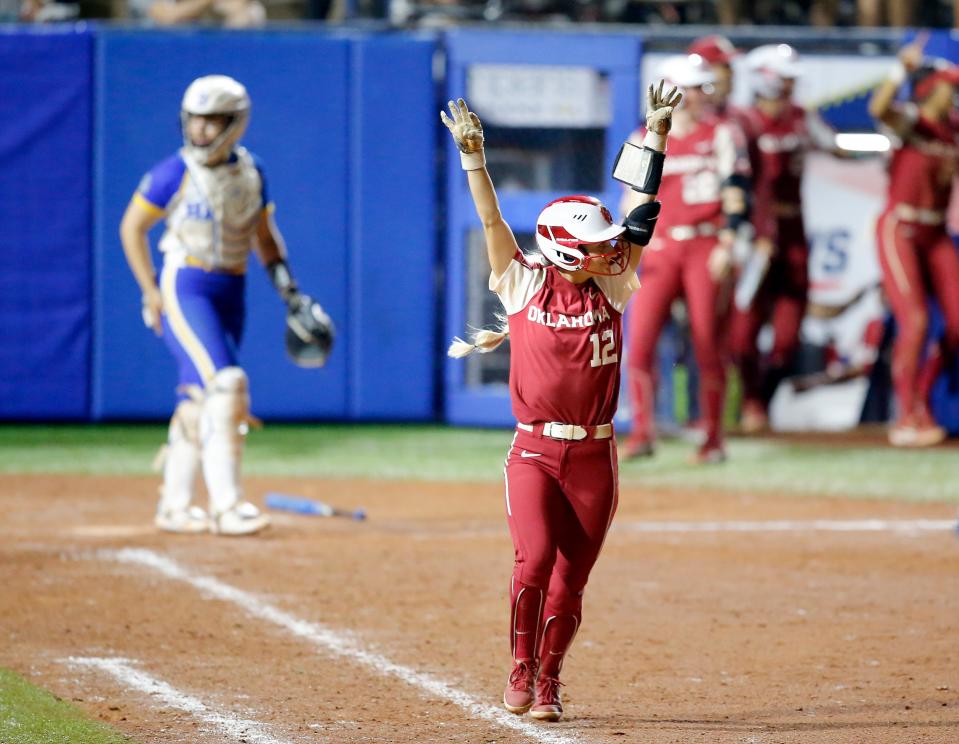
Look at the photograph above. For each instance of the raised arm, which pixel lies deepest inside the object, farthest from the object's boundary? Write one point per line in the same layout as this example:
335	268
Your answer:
644	211
467	133
881	105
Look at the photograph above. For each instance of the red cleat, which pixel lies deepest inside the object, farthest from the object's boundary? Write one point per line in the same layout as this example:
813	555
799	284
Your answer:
548	706
518	695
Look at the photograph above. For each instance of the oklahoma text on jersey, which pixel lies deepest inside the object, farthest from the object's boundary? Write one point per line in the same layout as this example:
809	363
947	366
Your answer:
558	320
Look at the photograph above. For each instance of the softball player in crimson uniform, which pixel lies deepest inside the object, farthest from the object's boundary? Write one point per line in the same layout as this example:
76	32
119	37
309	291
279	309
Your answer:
718	52
704	189
779	133
916	254
213	195
564	314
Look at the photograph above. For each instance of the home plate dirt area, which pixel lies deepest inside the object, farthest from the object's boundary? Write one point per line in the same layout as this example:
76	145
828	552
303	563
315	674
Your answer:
710	617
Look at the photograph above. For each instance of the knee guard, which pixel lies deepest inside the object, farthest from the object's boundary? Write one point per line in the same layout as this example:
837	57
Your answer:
224	422
181	457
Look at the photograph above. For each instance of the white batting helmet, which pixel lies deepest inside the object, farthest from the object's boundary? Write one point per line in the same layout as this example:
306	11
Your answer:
210	96
770	65
687	71
567	224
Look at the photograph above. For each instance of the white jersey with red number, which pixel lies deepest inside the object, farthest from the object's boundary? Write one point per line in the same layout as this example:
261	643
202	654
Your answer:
693	174
566	342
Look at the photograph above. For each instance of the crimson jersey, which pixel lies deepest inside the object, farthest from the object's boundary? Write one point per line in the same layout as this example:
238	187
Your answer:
924	162
693	174
777	148
566	342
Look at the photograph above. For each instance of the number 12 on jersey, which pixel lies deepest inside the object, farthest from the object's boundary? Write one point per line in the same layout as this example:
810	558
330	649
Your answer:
603	350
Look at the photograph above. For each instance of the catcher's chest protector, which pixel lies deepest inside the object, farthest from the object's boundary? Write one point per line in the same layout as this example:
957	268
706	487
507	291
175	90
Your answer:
214	215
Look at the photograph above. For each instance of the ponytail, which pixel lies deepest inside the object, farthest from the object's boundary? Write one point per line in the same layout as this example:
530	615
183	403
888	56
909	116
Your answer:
483	341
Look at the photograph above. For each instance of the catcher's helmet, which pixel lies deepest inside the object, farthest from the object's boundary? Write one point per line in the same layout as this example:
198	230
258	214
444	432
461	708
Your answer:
309	333
210	96
570	222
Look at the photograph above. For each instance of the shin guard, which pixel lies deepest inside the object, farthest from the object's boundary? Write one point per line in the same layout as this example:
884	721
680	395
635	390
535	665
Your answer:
525	612
558	634
223	427
181	458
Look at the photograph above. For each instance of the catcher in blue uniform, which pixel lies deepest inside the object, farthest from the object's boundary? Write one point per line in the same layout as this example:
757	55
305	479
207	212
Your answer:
213	196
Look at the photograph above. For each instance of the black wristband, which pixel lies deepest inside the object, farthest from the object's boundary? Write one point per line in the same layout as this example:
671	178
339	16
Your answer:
282	279
735	221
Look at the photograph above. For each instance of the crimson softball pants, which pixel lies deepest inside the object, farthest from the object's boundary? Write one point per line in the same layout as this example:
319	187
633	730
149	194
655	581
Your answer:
677	268
560	500
915	260
781	301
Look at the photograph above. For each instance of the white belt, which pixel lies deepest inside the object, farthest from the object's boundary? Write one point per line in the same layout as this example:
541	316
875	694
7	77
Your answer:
909	213
688	232
570	432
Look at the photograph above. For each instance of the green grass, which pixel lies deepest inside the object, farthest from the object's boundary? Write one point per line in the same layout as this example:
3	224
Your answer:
429	452
29	715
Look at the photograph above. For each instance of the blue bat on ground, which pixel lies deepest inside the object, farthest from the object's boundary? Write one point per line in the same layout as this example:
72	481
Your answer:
303	505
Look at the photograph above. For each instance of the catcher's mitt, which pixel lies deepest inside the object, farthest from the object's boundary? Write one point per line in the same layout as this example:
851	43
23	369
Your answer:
309	332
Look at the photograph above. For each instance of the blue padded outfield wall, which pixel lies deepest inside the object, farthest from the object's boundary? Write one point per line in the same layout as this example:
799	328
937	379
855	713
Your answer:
393	229
85	111
316	126
298	127
45	228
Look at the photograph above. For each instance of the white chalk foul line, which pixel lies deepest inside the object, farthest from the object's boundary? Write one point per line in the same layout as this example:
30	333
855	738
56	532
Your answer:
338	643
236	728
813	525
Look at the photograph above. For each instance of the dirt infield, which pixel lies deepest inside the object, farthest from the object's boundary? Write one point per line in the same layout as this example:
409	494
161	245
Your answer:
329	630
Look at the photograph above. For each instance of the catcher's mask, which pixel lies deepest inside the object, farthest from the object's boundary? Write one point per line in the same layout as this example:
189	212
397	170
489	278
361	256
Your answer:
213	95
309	334
568	225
